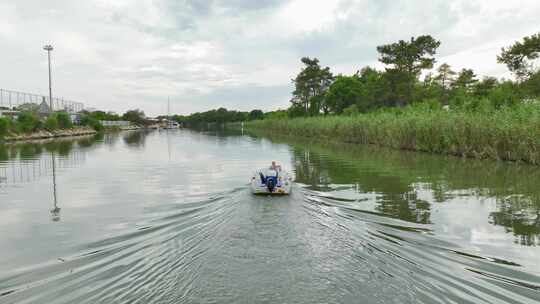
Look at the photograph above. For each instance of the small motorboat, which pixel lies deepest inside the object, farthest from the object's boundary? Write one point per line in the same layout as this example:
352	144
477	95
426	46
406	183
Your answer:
271	182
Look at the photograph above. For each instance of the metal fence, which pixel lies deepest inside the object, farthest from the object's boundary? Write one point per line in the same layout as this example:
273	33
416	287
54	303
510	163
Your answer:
116	123
13	99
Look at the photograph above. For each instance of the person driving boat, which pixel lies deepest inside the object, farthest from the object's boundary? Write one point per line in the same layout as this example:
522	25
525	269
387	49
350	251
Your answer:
275	166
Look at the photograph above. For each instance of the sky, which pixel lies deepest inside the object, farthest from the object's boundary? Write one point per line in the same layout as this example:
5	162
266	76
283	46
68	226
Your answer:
237	54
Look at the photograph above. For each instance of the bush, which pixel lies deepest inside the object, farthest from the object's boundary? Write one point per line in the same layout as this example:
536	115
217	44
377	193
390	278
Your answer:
4	126
64	121
504	95
351	110
51	123
90	121
27	122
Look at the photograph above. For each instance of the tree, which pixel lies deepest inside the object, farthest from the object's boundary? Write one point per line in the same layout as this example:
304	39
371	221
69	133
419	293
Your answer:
221	115
430	89
465	80
375	89
445	79
483	87
28	107
445	76
344	92
89	120
135	116
310	85
520	56
277	114
408	59
531	86
102	115
256	114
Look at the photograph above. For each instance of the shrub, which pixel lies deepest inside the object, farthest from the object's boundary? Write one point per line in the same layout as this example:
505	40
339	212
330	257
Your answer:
51	123
27	122
4	126
504	95
92	122
64	121
351	110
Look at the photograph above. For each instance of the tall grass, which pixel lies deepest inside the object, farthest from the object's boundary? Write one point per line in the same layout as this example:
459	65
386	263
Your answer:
508	133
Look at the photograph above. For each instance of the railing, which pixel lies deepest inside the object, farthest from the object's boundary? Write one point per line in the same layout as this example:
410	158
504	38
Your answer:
13	99
115	123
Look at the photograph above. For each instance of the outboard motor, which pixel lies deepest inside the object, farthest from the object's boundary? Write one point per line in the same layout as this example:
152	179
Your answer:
271	182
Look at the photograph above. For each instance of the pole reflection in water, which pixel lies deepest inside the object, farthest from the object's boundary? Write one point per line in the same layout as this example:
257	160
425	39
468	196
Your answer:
55	211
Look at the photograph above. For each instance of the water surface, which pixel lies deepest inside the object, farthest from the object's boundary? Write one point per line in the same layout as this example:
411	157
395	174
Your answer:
167	217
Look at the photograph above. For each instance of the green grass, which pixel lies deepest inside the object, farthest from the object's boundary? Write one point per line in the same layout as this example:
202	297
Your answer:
510	133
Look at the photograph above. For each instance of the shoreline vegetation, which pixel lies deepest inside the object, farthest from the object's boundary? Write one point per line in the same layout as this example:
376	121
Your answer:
412	104
44	134
511	134
30	126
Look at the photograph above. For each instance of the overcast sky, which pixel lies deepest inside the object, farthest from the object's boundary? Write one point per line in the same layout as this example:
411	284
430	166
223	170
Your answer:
239	54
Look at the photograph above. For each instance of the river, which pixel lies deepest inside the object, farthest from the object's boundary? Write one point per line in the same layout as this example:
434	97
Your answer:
167	217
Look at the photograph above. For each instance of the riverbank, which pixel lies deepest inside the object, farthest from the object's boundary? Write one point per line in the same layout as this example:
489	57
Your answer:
43	134
511	134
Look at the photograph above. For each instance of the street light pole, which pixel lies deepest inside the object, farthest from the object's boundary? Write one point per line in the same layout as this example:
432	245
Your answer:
49	48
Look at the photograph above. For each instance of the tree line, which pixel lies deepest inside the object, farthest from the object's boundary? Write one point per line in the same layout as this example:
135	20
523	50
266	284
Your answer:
317	91
218	116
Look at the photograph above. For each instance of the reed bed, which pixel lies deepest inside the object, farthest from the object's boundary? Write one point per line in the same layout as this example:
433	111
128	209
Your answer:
510	133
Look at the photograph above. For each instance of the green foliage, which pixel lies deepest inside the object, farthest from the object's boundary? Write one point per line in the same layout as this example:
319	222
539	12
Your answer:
29	107
101	115
520	56
407	59
310	86
51	123
220	116
135	116
445	76
531	87
296	110
367	90
484	87
64	121
317	91
91	121
278	114
410	56
4	126
505	94
27	122
256	114
465	80
509	133
351	110
344	92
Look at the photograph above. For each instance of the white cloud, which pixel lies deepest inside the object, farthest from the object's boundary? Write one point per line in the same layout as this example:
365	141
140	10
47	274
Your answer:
242	54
